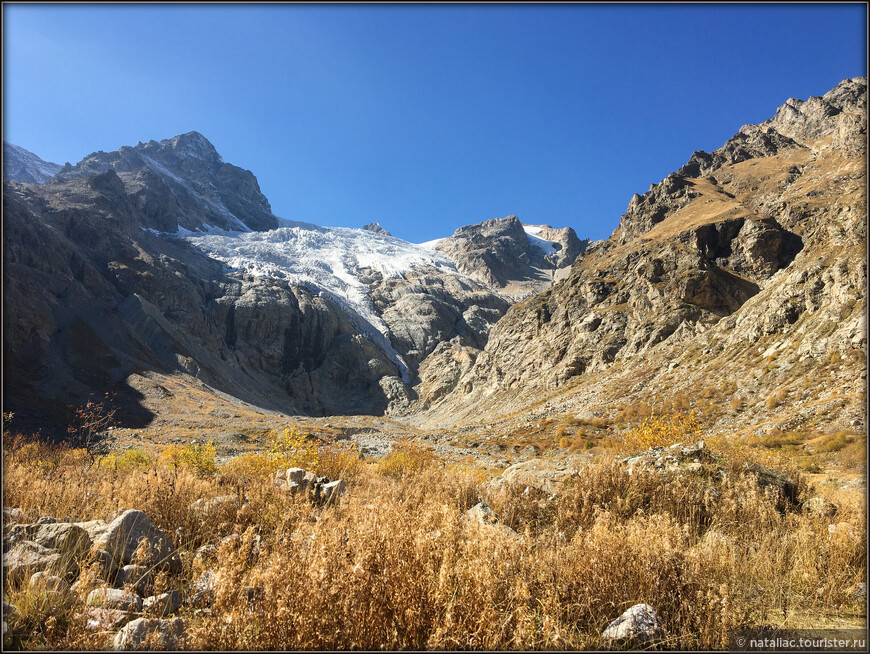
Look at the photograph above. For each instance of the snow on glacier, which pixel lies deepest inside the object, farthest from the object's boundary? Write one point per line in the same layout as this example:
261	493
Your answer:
330	259
532	232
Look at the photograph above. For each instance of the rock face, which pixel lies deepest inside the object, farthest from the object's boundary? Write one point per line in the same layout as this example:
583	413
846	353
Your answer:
752	251
516	259
376	228
23	166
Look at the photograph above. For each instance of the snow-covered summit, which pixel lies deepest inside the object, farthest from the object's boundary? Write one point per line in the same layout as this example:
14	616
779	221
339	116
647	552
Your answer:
23	166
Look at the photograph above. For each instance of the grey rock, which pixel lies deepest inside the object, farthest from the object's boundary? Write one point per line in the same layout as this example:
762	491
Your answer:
23	166
162	605
330	492
103	619
376	228
138	577
860	592
203	589
548	476
114	598
225	506
45	581
94	528
640	623
26	557
12	515
502	255
150	633
124	534
480	513
773	479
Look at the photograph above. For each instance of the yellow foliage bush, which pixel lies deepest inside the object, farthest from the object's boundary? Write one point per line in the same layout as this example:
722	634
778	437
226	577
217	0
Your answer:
135	457
664	430
406	457
293	449
200	459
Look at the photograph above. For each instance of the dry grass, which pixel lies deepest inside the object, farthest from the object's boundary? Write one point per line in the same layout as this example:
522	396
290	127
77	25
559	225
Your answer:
392	565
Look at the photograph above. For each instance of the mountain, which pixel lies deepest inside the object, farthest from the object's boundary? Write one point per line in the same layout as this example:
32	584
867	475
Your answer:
166	259
741	275
182	182
23	166
519	260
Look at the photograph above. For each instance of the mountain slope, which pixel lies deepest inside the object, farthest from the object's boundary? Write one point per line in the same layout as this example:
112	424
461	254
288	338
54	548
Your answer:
23	166
746	266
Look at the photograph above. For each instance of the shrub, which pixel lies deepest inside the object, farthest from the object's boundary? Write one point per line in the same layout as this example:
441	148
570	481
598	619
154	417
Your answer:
293	448
134	457
200	459
406	458
664	431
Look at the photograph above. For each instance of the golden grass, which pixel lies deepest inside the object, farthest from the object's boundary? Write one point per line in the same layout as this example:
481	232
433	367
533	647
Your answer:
392	565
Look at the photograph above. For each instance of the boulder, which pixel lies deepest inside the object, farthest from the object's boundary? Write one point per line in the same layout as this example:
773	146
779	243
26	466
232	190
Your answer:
640	623
11	515
150	634
101	619
28	557
105	563
56	589
124	534
770	478
545	475
94	528
203	589
115	598
480	513
163	604
331	491
138	577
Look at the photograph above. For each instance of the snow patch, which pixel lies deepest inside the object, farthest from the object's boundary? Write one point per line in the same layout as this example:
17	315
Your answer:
549	247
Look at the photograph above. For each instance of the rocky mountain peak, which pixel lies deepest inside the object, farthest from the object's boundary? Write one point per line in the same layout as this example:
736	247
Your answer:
22	165
182	182
376	228
754	250
517	260
833	121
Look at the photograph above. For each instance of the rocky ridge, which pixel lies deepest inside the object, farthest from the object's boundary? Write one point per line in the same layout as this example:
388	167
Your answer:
23	166
752	253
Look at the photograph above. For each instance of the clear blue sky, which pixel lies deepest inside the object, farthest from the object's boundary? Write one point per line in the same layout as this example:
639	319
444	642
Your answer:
423	118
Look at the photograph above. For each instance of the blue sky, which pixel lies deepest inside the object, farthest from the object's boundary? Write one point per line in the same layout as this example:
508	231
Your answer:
423	117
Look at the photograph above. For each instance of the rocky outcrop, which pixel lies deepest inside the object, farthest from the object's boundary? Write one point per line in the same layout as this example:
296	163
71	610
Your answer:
125	535
376	228
113	299
515	259
23	166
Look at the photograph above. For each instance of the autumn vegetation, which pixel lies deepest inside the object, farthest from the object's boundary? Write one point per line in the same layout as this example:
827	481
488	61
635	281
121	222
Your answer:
393	565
